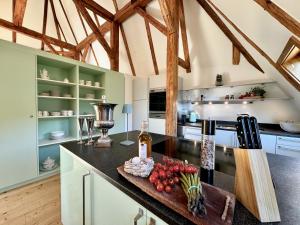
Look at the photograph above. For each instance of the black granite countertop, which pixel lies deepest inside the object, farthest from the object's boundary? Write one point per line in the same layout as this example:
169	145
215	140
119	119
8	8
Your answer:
265	128
285	172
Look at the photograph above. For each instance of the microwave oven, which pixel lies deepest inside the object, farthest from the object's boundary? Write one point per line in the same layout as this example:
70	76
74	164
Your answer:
157	101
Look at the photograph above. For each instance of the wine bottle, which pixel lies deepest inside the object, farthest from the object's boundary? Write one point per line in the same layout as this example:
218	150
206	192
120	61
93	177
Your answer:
145	142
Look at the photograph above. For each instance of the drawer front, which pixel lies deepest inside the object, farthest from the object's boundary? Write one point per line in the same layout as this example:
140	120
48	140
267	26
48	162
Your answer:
194	131
288	151
193	137
288	141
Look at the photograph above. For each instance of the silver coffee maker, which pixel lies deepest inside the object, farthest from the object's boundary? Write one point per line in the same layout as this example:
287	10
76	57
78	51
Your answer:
104	121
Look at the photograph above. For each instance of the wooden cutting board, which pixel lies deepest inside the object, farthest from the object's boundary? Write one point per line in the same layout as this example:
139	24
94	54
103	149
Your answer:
215	199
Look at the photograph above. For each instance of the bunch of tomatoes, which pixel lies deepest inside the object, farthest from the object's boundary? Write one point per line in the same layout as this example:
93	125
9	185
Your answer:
166	175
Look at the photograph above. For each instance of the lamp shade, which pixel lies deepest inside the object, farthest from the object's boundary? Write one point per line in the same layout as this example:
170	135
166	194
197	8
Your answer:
127	108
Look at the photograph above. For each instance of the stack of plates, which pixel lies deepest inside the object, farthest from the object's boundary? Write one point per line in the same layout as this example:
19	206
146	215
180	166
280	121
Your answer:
56	135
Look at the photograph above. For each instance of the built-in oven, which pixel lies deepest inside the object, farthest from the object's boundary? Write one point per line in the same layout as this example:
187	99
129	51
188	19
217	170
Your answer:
157	103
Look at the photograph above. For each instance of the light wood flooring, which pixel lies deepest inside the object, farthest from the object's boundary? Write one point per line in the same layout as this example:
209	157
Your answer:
34	204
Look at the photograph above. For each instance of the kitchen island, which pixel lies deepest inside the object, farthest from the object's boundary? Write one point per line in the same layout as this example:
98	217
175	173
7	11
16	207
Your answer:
103	163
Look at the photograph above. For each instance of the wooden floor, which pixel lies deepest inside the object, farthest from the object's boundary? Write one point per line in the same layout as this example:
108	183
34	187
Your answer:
34	204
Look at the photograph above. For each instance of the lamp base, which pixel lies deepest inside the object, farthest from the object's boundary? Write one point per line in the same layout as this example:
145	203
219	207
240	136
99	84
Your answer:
127	142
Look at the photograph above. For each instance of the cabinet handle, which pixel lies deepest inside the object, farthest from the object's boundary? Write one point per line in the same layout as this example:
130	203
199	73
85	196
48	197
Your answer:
138	216
83	195
152	221
31	116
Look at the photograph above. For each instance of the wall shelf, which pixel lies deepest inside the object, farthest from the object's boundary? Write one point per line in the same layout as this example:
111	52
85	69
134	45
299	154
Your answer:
55	97
47	142
236	101
90	99
54	82
91	87
56	117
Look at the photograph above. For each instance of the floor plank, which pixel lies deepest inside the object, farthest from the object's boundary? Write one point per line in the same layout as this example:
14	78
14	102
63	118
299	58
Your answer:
34	204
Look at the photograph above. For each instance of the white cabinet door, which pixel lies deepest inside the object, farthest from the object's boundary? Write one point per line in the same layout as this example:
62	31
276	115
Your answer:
226	138
18	123
268	143
157	126
154	220
193	133
288	151
139	113
140	89
111	206
75	190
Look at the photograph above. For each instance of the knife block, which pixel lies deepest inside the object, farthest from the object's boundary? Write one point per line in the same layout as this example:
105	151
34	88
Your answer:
253	184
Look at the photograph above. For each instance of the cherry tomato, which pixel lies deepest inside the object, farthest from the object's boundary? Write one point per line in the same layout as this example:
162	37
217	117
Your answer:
171	182
162	174
160	187
176	180
168	189
176	169
152	179
182	169
165	182
154	174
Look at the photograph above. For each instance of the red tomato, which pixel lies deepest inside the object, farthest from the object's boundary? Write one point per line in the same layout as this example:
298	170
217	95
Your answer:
168	189
169	174
160	187
176	180
165	182
155	174
162	174
182	169
152	179
171	182
176	169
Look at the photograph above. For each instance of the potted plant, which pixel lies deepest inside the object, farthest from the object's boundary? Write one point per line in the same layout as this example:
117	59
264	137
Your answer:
258	91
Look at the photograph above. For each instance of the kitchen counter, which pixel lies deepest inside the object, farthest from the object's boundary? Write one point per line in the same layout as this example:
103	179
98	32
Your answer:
271	129
285	172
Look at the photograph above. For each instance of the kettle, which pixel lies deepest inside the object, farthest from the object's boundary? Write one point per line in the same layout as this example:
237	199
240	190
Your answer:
193	117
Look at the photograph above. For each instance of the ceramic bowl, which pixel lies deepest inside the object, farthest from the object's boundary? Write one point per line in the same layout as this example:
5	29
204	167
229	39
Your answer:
56	135
292	127
55	114
90	96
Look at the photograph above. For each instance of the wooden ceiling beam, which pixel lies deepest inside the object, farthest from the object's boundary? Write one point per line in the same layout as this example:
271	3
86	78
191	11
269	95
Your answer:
169	9
14	34
280	15
183	63
93	26
84	28
85	53
45	17
56	22
99	10
19	7
218	21
125	42
52	49
184	37
114	43
150	41
150	19
33	34
236	55
123	14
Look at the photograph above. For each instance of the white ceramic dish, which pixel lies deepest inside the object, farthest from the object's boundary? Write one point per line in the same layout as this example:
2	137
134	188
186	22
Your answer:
90	96
292	127
56	135
55	114
48	169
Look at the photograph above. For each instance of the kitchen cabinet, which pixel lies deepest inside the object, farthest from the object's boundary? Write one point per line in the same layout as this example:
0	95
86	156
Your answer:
75	191
157	126
18	129
140	88
226	138
87	198
268	143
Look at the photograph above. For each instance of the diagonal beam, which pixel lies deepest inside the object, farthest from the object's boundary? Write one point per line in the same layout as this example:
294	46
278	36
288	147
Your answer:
45	20
151	46
99	10
84	28
52	49
123	14
114	43
85	52
18	13
33	34
93	26
150	19
280	15
125	42
55	20
184	36
14	34
229	34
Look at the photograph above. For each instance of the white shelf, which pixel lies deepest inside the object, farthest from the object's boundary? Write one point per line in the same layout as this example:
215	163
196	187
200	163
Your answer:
47	142
90	99
55	97
56	117
237	101
91	87
237	84
54	82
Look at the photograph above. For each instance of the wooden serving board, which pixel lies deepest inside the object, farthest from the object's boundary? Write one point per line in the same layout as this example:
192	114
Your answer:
215	199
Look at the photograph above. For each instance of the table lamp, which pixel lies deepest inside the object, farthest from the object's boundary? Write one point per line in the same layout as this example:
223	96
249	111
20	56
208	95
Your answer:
127	108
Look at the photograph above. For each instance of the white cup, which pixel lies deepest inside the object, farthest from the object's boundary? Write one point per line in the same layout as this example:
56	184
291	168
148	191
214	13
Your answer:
40	113
45	113
88	83
97	84
66	80
81	82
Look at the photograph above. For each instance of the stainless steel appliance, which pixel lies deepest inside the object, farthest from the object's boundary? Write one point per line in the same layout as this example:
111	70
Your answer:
104	121
157	103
